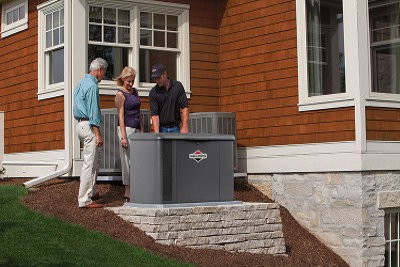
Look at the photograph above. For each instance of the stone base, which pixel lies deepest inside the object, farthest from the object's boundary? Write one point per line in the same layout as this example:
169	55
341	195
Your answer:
237	227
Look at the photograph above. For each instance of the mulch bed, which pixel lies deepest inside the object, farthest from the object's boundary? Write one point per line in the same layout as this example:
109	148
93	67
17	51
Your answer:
59	198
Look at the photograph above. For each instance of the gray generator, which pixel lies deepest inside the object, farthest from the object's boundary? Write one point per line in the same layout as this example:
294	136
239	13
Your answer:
169	168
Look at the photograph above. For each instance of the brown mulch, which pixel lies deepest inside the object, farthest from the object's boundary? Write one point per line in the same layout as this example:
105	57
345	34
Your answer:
59	198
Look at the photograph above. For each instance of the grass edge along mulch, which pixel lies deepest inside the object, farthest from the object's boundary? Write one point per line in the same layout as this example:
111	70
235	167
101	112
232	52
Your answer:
32	238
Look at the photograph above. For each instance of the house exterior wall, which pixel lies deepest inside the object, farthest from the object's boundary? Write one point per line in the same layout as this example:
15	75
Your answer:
383	124
258	66
37	125
30	125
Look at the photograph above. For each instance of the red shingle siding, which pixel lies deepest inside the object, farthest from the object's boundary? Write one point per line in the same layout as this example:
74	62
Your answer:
258	66
383	124
30	125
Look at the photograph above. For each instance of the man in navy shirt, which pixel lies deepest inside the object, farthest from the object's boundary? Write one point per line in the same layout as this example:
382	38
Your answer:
168	103
87	112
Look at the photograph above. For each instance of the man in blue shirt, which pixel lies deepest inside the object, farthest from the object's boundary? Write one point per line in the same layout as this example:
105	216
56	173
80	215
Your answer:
87	113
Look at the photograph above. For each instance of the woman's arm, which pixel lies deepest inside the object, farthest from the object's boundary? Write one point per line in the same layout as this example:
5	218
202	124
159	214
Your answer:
119	104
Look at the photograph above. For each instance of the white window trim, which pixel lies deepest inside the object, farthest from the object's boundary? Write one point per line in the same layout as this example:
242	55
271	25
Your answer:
375	99
357	62
46	91
20	25
183	63
324	101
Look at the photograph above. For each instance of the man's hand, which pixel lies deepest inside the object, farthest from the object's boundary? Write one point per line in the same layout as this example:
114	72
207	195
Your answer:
184	129
99	140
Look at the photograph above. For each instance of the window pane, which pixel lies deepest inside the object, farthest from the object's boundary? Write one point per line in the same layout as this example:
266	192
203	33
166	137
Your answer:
9	18
109	34
56	37
110	15
148	58
325	47
15	15
95	33
145	20
56	66
21	12
159	39
159	21
123	35
145	37
48	39
62	17
387	255
48	22
61	35
387	67
95	14
394	254
116	57
385	46
387	226
123	17
172	40
393	222
56	19
172	23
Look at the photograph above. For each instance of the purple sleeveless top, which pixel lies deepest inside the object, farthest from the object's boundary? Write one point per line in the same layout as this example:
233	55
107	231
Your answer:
131	109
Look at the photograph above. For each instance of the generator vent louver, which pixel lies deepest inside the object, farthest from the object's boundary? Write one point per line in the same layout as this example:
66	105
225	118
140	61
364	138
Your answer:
214	123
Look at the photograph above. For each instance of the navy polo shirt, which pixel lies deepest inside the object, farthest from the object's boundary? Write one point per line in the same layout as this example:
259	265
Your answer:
168	104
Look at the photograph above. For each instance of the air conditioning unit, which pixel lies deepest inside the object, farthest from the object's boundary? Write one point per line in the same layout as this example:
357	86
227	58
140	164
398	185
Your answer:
110	162
214	123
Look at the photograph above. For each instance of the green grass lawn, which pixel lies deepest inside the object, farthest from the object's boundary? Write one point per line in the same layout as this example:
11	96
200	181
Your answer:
28	238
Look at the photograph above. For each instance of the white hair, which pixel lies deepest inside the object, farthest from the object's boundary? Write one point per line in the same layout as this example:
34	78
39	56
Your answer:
98	63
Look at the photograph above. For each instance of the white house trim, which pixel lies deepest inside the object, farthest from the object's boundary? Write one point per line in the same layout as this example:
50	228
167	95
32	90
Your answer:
319	157
33	164
1	137
20	25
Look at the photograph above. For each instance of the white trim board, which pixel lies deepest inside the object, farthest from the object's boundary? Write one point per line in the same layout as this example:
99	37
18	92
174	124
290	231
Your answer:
33	164
319	157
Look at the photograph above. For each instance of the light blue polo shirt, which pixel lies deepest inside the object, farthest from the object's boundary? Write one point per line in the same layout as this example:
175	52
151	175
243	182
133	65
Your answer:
87	100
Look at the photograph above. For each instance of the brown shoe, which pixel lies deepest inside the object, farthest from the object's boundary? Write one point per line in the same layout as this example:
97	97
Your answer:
95	196
93	205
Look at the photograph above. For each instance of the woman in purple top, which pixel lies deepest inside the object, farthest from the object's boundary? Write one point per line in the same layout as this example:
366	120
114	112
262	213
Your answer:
128	106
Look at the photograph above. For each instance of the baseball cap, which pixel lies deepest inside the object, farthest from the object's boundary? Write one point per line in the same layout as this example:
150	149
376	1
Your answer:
157	70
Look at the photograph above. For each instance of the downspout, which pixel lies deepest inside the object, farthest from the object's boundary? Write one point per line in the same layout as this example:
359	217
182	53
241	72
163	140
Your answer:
67	105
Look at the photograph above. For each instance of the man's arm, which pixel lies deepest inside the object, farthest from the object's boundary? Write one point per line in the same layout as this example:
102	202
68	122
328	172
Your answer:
185	119
156	123
99	140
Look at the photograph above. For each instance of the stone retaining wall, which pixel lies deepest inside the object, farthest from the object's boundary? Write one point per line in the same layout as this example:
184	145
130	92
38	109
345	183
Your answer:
344	210
241	227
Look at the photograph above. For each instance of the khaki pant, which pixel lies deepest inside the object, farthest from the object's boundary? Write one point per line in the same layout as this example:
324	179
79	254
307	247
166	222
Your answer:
90	168
125	154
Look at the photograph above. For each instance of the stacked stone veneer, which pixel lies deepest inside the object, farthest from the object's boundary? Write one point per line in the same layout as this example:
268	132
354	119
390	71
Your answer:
241	227
344	210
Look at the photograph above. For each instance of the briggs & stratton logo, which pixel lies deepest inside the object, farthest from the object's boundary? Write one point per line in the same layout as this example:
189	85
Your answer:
198	156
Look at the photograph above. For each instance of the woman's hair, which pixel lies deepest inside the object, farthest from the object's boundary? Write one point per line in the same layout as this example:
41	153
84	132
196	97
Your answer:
126	72
98	63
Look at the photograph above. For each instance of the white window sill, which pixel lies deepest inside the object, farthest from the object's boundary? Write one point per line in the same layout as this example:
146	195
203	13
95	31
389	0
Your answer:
327	104
14	30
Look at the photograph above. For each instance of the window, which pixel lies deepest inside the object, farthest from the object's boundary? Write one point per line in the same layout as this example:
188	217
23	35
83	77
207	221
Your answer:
51	49
392	238
321	54
158	43
14	17
384	18
325	47
139	35
109	38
